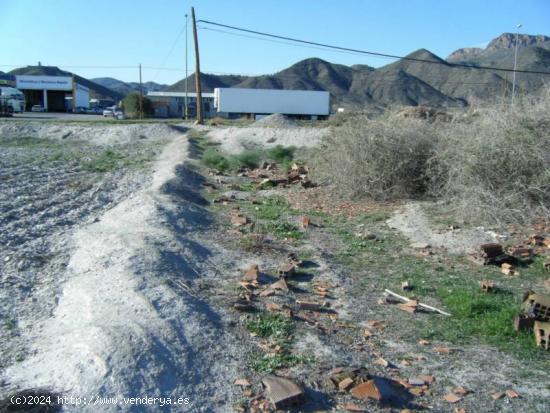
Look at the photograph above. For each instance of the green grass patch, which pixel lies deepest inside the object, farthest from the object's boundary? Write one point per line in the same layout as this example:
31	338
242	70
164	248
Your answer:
271	209
281	154
106	161
248	158
268	363
212	158
271	325
283	230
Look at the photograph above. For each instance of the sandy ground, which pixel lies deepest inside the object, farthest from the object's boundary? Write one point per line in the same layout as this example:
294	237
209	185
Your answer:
124	323
234	140
136	296
413	223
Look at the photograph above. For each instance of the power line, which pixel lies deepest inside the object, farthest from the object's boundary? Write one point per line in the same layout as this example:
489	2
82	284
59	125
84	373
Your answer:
169	53
415	59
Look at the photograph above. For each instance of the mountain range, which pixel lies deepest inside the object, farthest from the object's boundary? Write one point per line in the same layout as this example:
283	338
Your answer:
409	81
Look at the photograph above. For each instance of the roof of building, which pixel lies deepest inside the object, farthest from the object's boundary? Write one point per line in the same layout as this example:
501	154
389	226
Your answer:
178	94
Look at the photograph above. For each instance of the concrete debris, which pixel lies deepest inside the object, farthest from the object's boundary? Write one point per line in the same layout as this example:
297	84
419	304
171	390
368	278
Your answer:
283	392
276	286
487	286
542	334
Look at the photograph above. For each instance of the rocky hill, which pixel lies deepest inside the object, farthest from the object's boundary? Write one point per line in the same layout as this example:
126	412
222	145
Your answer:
407	82
125	88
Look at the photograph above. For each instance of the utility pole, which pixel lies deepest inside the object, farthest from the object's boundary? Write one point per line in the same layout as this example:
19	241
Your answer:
140	95
200	119
515	63
186	113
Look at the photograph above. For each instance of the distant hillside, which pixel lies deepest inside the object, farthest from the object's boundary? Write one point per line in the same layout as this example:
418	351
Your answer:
96	90
124	88
407	82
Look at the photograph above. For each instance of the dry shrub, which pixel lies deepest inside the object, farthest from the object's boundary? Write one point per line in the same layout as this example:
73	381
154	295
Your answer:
495	168
491	166
382	159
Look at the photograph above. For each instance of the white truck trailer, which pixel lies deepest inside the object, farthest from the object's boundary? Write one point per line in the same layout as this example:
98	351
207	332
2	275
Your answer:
310	103
13	99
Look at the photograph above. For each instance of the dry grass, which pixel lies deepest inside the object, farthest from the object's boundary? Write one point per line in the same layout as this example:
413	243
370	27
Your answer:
491	165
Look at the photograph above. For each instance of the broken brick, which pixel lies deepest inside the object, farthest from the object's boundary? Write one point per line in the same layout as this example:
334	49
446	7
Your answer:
282	392
345	384
410	306
497	395
523	322
286	269
508	269
487	286
423	342
522	252
272	307
542	334
427	378
452	398
252	273
538	305
304	222
460	391
511	394
239	220
443	350
308	305
242	383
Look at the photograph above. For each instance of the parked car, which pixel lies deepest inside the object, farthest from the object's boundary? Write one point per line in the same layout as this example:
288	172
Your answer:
108	112
93	111
37	108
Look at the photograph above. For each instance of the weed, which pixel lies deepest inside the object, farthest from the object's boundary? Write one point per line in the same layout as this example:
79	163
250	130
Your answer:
281	154
271	209
106	161
248	158
212	158
268	363
283	230
268	325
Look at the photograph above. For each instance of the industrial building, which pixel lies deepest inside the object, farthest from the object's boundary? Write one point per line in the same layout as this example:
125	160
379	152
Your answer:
172	104
53	93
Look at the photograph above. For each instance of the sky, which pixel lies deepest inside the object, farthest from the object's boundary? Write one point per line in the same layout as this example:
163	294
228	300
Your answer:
80	35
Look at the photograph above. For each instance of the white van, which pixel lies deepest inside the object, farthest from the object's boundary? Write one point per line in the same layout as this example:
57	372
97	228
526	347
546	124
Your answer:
14	98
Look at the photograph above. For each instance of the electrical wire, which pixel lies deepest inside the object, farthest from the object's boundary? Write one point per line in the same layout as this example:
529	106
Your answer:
365	52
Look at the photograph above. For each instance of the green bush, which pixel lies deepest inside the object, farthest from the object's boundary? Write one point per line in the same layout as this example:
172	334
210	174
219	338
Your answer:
250	159
130	105
281	154
215	160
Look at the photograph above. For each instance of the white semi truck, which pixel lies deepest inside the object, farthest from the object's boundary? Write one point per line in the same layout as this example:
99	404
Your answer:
13	99
309	103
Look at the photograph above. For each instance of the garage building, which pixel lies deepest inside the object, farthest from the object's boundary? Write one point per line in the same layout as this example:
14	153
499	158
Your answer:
172	104
53	93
